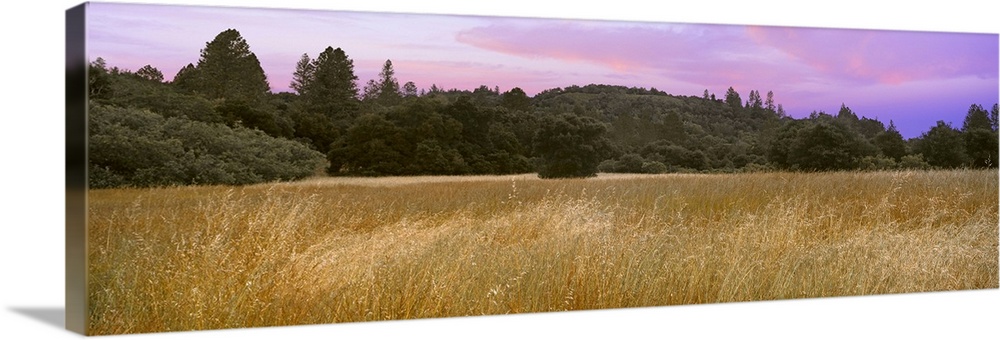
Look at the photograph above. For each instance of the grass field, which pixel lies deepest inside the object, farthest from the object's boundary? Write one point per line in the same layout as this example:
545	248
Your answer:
355	249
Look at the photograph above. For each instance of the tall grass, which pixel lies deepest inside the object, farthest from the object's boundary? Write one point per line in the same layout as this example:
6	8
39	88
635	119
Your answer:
358	249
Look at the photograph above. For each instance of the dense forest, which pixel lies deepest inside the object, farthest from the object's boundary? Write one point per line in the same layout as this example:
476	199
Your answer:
217	122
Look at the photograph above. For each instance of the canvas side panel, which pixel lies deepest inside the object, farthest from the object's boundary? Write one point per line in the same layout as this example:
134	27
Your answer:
76	170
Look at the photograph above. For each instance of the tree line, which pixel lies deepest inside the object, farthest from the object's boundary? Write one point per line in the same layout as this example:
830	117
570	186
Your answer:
217	122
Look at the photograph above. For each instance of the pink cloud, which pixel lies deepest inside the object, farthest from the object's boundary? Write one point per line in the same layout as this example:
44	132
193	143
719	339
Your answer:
749	57
886	57
709	56
570	42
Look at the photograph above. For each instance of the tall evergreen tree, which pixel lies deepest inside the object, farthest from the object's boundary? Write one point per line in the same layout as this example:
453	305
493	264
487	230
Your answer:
305	70
733	99
976	118
387	87
229	70
847	115
333	90
329	97
980	138
753	100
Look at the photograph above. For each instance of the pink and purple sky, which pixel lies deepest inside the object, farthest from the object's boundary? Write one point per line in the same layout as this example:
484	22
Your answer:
912	78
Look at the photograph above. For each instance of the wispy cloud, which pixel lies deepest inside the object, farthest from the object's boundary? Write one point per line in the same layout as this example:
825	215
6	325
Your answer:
885	57
750	56
709	55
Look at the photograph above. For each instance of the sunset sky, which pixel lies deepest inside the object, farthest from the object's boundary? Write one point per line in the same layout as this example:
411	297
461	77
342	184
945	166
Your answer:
912	78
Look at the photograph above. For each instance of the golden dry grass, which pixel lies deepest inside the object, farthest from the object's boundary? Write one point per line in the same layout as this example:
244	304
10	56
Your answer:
355	249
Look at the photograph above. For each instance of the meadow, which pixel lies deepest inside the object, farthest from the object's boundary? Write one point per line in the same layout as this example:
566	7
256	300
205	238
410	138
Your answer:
326	250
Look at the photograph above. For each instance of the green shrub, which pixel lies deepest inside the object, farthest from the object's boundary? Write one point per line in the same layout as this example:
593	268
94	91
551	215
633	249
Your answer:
653	167
877	163
131	147
914	162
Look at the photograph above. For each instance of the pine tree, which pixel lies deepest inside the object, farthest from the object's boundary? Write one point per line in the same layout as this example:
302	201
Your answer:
333	90
846	114
980	138
976	118
753	100
733	99
329	96
388	86
229	70
303	75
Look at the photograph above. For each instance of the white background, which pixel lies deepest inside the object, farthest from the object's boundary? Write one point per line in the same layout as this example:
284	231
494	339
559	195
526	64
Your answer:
32	161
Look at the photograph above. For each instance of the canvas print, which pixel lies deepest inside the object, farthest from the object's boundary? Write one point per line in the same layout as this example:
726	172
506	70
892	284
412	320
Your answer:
266	167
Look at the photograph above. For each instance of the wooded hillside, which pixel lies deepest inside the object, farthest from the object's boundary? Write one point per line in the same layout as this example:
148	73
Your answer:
217	122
